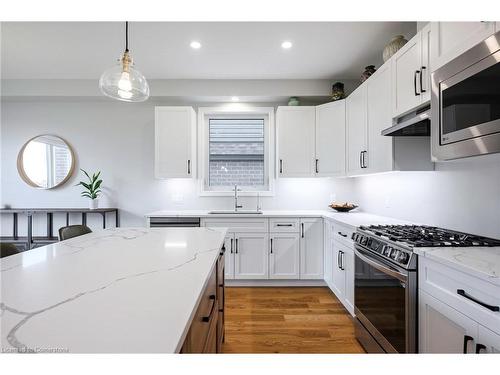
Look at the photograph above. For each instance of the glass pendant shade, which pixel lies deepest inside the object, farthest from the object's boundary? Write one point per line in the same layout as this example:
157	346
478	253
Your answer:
123	82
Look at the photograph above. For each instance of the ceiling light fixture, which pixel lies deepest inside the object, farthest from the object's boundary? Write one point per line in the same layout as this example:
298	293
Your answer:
235	99
123	81
286	44
195	44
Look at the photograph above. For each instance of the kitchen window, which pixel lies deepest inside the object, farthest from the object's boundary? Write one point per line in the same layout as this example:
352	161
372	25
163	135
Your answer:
236	151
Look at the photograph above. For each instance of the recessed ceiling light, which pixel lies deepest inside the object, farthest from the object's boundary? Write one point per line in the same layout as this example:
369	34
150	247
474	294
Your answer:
286	44
195	44
235	99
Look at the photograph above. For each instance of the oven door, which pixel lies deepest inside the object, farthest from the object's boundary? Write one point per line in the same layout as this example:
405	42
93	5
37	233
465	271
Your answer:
385	303
466	103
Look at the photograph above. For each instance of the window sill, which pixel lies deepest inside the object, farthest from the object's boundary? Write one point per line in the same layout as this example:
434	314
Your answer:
229	193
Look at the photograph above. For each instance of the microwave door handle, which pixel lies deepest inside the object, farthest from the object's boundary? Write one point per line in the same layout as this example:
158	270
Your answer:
388	271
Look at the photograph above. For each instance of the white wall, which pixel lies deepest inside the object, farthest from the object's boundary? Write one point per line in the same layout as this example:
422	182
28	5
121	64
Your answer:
117	138
462	195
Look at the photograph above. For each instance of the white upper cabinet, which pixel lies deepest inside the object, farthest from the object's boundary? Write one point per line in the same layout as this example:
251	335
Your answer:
356	124
330	139
175	142
295	127
284	256
410	74
311	249
451	39
379	155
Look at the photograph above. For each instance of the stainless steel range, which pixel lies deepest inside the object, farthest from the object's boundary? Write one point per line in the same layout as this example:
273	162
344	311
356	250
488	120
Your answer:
385	284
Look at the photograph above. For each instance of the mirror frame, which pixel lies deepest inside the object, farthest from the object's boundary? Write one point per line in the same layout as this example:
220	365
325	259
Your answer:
25	177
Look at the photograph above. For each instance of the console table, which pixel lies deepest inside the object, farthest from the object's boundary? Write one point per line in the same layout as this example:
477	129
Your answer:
29	241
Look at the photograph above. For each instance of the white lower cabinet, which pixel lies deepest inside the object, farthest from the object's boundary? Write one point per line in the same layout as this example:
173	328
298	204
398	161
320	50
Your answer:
229	256
348	264
450	322
311	248
284	256
251	255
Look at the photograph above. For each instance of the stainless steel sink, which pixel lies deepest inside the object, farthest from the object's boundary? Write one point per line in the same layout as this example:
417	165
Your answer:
233	212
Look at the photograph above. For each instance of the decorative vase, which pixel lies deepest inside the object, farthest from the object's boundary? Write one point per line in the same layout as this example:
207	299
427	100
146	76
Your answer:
394	45
293	101
93	204
369	70
338	91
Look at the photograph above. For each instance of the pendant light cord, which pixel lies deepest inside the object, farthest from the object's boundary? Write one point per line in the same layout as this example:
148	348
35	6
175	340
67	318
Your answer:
126	36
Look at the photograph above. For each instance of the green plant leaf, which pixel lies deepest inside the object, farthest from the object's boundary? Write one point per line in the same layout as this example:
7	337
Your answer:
97	184
86	174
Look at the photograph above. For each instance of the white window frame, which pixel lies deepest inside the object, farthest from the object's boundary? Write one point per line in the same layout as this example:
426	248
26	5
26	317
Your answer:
204	114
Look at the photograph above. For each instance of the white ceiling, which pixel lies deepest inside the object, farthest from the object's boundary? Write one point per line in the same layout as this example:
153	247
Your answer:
82	50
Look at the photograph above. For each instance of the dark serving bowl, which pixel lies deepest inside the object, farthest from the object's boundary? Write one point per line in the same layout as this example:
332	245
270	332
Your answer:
343	208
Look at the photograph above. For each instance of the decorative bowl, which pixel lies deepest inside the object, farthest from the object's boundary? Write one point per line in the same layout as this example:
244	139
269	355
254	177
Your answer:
345	207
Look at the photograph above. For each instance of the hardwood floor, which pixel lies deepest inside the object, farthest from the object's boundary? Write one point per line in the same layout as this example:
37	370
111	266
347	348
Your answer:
287	320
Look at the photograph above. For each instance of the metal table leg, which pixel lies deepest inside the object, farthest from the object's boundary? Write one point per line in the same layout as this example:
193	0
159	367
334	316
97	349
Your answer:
30	230
104	220
84	218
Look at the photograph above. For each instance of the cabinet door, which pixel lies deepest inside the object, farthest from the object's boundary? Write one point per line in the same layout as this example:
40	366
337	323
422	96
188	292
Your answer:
442	328
330	139
451	39
284	256
348	265
425	68
311	249
356	123
229	256
338	273
489	339
380	153
175	141
251	255
295	146
406	64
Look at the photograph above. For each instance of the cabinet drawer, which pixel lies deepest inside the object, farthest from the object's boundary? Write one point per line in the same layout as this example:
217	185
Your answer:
284	225
342	233
459	290
204	317
238	225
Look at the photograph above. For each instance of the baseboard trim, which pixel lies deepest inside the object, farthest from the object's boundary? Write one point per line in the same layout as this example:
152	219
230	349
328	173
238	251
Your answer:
271	283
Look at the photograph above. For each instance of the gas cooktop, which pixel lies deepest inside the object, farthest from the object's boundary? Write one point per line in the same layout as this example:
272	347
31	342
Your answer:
427	236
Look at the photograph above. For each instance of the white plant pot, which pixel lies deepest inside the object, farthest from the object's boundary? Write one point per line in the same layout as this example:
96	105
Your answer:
93	204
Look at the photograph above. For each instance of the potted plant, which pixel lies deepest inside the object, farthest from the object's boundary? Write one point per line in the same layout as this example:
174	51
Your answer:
91	188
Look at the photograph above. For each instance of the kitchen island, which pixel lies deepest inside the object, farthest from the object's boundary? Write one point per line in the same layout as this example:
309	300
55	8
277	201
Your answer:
121	290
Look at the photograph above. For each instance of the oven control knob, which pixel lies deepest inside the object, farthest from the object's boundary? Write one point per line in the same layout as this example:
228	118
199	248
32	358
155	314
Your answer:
403	257
395	254
387	250
363	240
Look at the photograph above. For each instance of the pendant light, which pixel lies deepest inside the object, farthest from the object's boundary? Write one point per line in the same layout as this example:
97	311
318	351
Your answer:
123	81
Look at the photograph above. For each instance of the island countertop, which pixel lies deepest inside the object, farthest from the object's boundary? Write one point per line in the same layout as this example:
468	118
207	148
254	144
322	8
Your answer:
121	290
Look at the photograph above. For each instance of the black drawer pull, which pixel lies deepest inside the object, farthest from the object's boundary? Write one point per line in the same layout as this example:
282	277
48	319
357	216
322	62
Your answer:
466	340
480	347
284	225
462	293
342	234
206	319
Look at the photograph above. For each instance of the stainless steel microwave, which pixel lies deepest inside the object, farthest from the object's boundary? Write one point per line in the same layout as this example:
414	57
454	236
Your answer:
465	103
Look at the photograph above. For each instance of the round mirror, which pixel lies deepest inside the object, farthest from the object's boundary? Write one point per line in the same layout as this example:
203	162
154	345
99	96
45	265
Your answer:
45	162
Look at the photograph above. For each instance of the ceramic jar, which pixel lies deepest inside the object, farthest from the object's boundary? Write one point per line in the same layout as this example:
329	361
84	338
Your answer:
394	45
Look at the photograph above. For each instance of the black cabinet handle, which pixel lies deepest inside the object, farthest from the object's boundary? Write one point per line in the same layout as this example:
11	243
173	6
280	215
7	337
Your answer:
342	234
480	347
361	159
284	225
415	82
281	165
302	227
467	338
236	247
206	319
271	245
338	260
342	260
189	166
231	245
317	160
364	159
421	75
462	293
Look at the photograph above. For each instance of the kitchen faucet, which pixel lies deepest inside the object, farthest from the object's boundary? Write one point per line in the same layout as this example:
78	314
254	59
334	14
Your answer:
236	205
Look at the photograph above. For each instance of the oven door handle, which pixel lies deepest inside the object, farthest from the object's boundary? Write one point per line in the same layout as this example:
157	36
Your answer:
382	268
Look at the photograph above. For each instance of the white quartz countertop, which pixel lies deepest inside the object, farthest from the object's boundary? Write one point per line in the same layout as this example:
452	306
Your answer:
353	218
482	262
118	290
